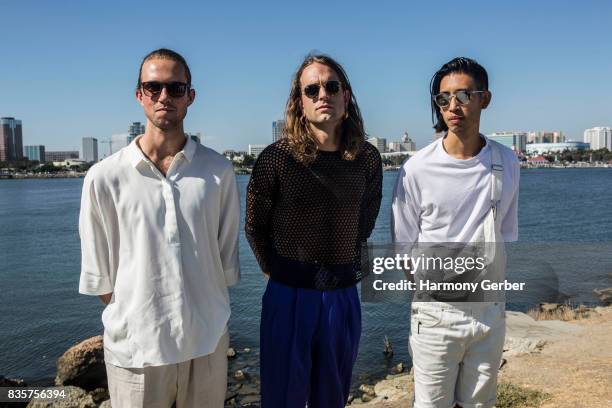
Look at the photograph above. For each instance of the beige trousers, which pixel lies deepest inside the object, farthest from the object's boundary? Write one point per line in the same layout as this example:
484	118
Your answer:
201	382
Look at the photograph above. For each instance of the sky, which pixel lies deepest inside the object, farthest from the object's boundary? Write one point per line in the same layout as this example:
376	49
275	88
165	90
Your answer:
68	69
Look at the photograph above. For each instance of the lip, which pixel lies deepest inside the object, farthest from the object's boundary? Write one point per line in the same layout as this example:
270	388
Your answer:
165	109
455	119
325	107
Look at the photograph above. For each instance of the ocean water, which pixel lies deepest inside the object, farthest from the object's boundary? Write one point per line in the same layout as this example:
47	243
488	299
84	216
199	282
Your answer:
42	314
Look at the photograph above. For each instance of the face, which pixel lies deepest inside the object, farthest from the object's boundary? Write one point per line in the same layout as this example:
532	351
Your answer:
162	110
459	118
323	108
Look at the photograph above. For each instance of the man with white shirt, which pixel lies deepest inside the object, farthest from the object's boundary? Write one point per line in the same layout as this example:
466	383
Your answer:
159	240
462	188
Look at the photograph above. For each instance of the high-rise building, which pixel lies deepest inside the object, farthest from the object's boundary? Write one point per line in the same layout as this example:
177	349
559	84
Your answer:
60	156
136	128
516	141
256	149
544	136
378	142
599	137
90	149
119	141
278	130
11	139
35	153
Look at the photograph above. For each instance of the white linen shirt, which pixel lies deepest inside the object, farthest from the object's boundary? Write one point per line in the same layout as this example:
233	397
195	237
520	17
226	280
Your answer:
166	247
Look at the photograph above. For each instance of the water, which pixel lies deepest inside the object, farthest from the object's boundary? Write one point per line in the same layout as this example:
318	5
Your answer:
42	314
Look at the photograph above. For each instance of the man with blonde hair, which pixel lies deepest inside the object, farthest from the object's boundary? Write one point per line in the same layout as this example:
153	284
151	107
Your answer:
312	201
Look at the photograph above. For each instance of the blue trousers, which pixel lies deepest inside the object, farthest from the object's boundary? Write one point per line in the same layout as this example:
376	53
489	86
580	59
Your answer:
309	343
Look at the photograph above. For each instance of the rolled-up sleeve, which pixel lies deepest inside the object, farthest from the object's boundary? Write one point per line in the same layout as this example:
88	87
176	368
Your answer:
229	226
95	253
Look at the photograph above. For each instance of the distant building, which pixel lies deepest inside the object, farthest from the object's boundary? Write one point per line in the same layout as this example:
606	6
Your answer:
537	161
90	149
35	153
229	153
136	128
517	141
256	149
599	137
69	162
119	141
544	148
404	145
544	136
195	137
11	139
61	156
278	130
378	142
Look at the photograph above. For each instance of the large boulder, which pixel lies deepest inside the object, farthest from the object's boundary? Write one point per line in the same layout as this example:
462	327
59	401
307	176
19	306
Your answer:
75	398
83	365
12	382
604	295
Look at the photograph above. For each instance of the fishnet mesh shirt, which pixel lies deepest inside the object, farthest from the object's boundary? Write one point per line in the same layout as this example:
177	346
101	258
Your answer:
319	213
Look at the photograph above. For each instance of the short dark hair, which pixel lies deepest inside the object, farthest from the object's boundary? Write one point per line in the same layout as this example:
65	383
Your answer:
456	65
164	53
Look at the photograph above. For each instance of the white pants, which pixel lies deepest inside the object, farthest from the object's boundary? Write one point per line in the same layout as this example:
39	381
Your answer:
456	352
201	382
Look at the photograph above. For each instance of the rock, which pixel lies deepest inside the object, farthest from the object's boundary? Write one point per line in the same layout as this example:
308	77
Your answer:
350	399
367	390
83	365
247	350
388	351
231	353
106	404
99	395
366	398
502	363
604	295
248	389
239	375
12	382
249	399
75	398
399	368
549	307
395	388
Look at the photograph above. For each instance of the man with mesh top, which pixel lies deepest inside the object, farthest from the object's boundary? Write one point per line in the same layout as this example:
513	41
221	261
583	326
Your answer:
462	188
312	201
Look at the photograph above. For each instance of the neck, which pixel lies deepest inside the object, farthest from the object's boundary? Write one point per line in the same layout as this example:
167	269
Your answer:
158	144
463	145
326	136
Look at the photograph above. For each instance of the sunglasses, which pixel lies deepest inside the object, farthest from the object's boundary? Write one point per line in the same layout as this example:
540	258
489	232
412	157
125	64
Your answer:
463	97
331	88
174	89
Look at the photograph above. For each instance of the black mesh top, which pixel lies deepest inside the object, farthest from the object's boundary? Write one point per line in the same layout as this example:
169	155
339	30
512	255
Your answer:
317	214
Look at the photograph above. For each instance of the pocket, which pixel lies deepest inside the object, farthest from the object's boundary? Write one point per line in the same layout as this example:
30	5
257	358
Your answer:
425	318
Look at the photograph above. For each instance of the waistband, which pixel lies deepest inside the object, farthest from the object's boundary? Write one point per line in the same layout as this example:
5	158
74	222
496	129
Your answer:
312	275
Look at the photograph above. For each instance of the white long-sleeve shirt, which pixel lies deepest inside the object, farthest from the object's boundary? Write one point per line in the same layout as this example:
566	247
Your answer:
439	198
166	247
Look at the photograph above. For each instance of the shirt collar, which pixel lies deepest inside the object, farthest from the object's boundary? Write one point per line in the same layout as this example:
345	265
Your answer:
136	155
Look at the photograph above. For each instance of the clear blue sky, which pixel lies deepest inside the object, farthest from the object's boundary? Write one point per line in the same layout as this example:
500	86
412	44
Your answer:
68	69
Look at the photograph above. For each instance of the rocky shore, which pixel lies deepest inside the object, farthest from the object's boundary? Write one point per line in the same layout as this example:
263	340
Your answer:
550	358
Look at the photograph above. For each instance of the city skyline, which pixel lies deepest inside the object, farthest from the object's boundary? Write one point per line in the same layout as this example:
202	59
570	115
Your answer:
73	66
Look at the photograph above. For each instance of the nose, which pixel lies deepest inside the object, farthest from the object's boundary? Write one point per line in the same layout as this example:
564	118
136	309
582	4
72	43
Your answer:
163	95
323	92
453	104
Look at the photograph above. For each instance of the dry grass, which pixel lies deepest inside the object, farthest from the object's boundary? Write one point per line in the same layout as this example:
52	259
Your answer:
564	312
512	396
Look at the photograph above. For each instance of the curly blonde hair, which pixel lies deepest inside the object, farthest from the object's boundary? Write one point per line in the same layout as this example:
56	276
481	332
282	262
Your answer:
301	141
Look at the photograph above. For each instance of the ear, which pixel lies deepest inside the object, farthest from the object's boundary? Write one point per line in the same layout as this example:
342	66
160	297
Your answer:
486	99
138	95
191	96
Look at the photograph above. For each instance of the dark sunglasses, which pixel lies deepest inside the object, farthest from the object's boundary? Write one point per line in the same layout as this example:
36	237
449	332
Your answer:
463	97
174	89
331	87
